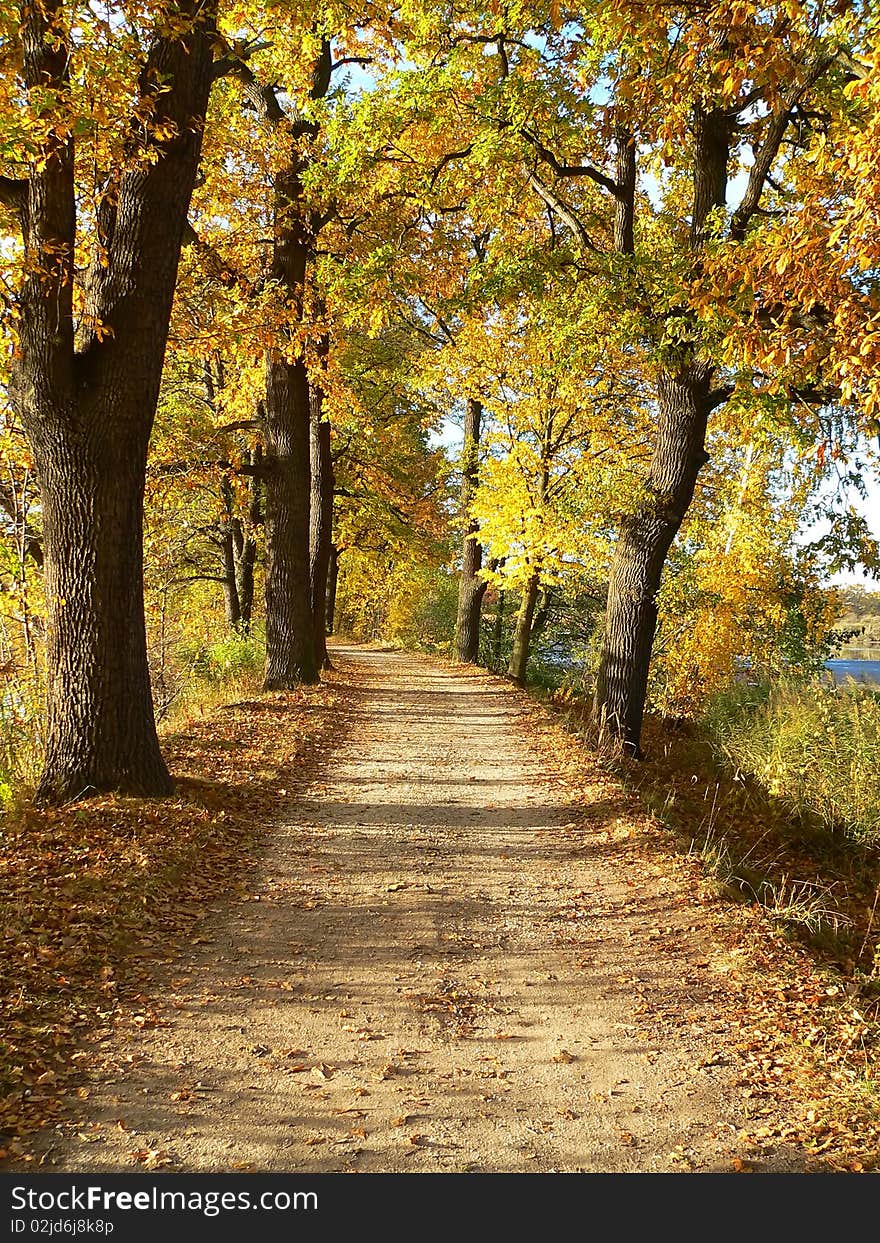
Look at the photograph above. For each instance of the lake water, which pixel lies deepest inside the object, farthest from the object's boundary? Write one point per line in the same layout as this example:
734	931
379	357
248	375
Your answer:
867	671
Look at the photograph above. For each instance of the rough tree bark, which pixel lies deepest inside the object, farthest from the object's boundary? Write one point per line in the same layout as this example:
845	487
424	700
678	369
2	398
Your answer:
230	527
684	402
498	632
290	646
246	540
519	657
321	534
87	399
332	582
643	543
236	540
471	588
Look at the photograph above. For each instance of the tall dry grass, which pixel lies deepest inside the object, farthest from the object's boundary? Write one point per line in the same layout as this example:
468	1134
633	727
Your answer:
815	747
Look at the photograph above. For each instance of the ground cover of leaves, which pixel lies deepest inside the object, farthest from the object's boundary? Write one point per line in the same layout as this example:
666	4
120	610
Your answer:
531	881
96	895
796	907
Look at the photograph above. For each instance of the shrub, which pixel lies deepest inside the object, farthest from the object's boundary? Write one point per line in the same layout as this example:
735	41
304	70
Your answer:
227	660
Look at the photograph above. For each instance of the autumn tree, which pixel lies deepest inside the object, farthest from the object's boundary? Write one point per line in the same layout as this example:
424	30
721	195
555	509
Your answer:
89	355
654	137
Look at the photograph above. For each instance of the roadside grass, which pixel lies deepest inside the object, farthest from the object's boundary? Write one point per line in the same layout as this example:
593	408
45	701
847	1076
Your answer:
95	895
799	911
756	794
816	749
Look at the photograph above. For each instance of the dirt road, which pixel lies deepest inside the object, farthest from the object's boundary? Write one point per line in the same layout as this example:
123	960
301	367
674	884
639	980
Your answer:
453	960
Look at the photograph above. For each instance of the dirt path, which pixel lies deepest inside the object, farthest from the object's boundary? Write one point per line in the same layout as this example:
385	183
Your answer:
448	963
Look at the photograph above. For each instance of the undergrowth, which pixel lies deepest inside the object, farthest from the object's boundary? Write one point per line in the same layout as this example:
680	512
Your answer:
815	748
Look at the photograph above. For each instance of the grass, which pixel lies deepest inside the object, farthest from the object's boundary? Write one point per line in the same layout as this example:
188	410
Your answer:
798	914
816	749
757	794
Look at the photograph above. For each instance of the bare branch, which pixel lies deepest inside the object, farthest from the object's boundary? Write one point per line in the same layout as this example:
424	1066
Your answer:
565	214
351	60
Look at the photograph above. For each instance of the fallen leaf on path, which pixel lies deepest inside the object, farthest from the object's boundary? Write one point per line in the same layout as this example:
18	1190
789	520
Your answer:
152	1158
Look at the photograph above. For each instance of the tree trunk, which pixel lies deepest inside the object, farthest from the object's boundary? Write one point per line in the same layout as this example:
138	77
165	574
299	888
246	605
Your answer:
519	657
684	402
332	582
323	484
290	646
230	538
101	730
541	617
321	536
290	643
87	400
246	550
498	632
645	540
471	587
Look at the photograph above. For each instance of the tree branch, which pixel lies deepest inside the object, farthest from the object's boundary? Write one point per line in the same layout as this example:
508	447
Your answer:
815	395
564	213
242	426
351	60
719	396
571	170
769	149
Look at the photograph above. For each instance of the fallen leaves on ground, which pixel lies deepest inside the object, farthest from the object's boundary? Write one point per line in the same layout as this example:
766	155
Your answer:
804	1017
96	894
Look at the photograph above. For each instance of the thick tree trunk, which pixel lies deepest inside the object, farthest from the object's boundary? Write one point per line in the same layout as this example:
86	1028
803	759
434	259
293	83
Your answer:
321	535
684	402
290	645
101	730
645	540
519	657
87	400
332	582
471	588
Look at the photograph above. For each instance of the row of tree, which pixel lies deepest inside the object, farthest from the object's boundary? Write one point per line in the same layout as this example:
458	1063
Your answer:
632	246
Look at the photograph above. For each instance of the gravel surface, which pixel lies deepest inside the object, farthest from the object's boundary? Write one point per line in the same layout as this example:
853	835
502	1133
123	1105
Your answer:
455	957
